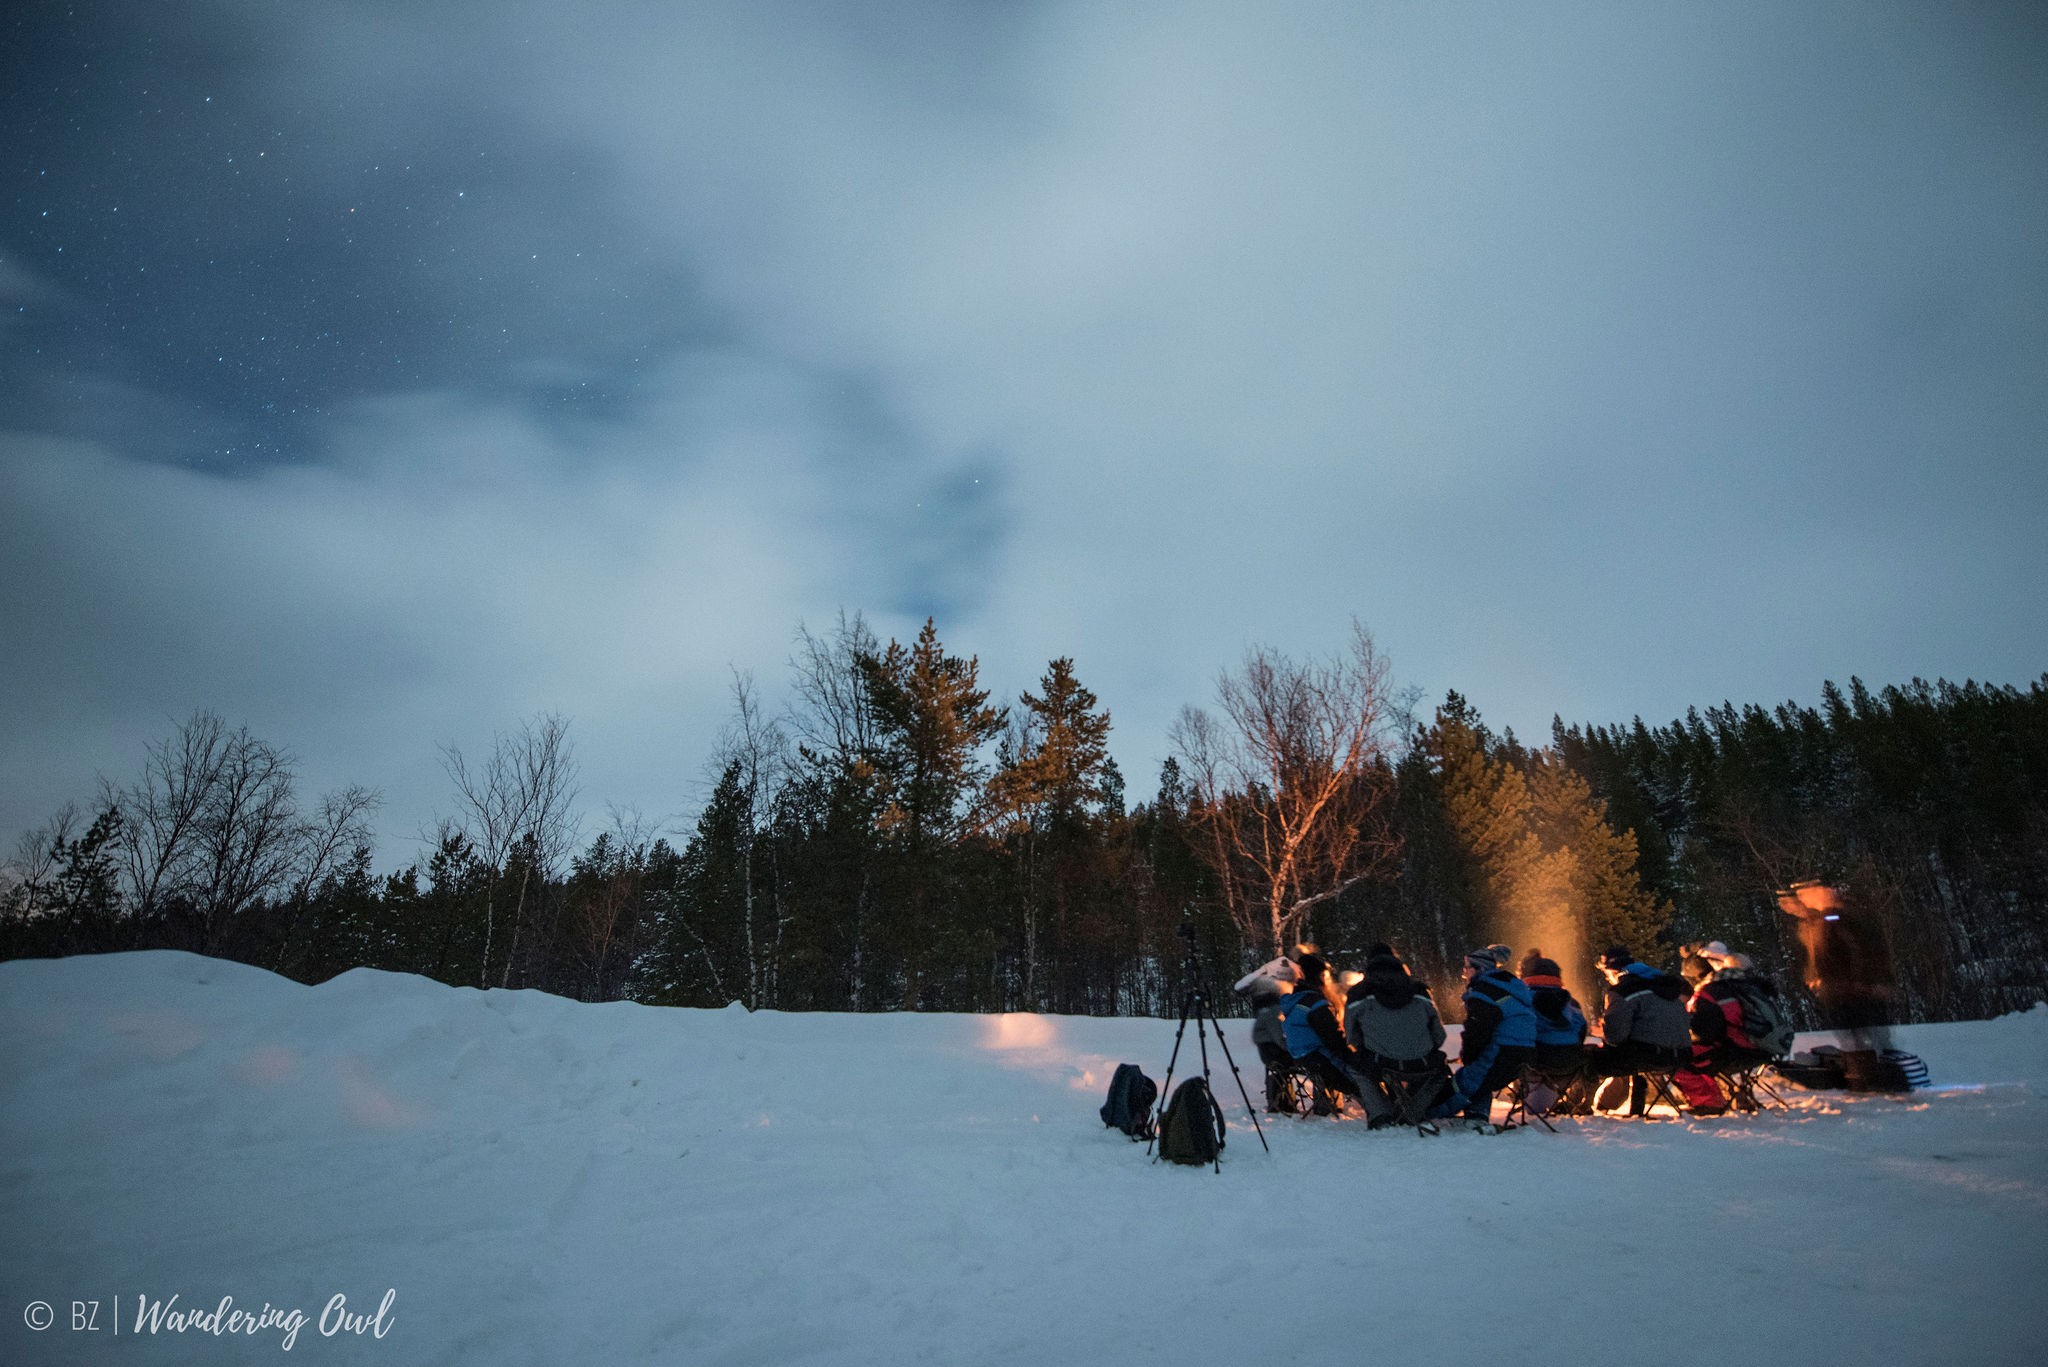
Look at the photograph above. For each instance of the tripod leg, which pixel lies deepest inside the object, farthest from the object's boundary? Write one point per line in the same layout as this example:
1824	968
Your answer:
1202	1042
1166	1087
1256	1127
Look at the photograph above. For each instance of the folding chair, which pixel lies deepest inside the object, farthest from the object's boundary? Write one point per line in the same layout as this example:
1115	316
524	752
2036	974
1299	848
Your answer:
1516	1094
1651	1086
1290	1090
1747	1091
1415	1093
1659	1087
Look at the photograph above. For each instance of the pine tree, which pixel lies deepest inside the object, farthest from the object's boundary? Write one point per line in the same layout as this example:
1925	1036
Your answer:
1053	786
697	955
931	721
1065	767
1542	866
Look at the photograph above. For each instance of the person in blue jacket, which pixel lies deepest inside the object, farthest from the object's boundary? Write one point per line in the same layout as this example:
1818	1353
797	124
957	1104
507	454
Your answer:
1315	1034
1498	1040
1560	1032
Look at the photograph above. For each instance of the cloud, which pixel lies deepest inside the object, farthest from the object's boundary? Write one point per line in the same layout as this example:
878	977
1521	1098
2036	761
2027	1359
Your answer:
451	567
1604	362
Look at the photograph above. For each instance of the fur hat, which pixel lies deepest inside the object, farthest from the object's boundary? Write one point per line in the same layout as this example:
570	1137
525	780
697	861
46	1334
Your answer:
1720	956
1281	970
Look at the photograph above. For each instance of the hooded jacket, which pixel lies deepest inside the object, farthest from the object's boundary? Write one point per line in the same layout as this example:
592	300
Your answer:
1717	1007
1645	1008
1312	1027
1558	1017
1498	1011
1389	1017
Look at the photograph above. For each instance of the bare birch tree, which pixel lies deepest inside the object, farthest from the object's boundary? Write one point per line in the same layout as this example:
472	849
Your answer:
759	747
212	826
834	724
1291	785
28	880
518	803
834	727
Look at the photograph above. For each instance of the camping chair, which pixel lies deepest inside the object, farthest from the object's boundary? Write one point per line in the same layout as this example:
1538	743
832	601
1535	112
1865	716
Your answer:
1743	1081
1646	1089
1516	1094
1292	1090
1415	1091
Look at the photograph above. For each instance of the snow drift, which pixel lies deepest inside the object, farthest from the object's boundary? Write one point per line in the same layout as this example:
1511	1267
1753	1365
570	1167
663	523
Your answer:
539	1181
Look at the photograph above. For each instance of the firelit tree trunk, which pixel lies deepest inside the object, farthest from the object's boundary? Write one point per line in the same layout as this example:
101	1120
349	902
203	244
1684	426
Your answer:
1291	788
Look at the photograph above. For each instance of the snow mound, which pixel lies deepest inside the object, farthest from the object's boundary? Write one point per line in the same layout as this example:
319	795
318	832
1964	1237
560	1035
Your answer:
543	1181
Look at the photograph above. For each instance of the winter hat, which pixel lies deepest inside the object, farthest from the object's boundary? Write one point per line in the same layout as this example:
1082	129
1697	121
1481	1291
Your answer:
1617	958
1720	956
1313	969
1280	970
1482	960
1379	950
1501	954
1385	966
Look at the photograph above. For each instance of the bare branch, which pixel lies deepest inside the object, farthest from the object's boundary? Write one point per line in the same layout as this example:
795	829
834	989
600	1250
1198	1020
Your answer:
1291	788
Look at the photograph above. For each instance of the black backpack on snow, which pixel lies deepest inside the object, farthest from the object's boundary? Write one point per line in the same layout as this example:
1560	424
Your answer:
1192	1131
1129	1107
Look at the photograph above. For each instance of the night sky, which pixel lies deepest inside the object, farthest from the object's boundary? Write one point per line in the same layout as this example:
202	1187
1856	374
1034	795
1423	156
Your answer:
379	374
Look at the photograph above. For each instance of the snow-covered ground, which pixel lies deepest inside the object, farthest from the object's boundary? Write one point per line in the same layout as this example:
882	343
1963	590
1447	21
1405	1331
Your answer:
545	1182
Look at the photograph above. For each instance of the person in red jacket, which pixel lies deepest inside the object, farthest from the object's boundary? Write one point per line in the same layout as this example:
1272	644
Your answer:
1723	982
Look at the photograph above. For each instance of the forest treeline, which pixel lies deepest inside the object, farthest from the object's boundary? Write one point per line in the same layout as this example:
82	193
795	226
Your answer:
897	839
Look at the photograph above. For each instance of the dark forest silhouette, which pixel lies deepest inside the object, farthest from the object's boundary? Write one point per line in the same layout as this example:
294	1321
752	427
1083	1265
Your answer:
899	840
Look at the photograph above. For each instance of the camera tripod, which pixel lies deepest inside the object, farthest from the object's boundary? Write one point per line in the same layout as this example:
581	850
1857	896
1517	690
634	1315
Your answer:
1195	1003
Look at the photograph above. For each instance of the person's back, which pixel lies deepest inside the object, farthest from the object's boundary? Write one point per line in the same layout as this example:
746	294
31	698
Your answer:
1733	1006
1267	987
1737	1024
1315	1035
1298	1021
1269	1035
1510	997
1560	1022
1390	1019
1499	1037
1646	1008
1397	1041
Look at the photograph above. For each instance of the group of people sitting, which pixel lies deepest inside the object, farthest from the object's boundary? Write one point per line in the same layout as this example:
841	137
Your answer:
1385	1047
